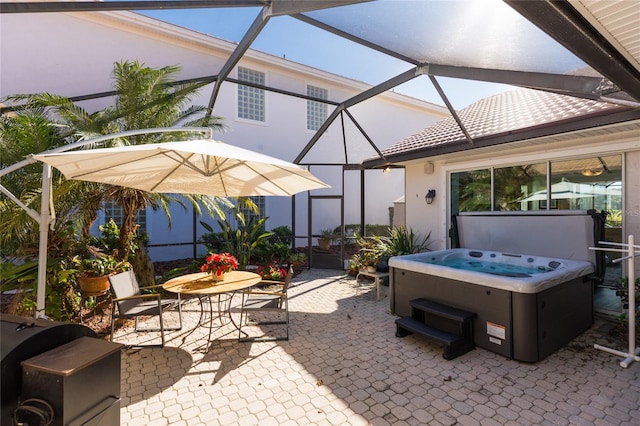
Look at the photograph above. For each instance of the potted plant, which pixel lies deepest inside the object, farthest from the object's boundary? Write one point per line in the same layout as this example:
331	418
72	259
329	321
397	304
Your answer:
356	264
326	237
370	259
92	274
296	260
218	264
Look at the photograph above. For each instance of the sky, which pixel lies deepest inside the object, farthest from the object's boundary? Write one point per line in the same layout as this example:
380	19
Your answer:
303	43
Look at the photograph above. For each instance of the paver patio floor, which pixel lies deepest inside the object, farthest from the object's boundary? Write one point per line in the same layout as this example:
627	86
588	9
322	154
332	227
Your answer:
344	365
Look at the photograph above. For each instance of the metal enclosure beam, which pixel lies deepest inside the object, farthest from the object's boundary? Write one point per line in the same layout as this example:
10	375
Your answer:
92	6
289	7
251	34
579	86
376	90
452	110
569	28
364	134
572	85
350	37
273	8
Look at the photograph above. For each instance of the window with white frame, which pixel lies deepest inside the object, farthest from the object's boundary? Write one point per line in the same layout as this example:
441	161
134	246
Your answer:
115	212
316	111
251	99
249	214
574	184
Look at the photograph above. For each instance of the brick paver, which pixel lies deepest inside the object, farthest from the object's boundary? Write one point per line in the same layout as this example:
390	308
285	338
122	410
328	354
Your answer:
343	365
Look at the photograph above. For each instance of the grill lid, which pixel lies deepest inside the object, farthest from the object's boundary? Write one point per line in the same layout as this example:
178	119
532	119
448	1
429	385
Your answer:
23	338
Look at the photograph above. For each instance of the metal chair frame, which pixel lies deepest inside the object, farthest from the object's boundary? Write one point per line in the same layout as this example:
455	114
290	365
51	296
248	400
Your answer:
255	300
132	303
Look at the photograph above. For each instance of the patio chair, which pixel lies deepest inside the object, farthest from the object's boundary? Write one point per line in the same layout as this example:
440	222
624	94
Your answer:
259	300
132	303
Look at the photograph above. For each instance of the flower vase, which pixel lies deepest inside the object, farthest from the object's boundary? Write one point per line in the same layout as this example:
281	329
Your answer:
218	277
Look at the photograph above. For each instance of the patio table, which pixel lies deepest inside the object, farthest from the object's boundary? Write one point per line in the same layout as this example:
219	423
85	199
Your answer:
201	284
377	276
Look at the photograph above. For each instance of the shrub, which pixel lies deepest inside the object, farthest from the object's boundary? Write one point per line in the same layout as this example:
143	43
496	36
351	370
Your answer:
282	234
276	252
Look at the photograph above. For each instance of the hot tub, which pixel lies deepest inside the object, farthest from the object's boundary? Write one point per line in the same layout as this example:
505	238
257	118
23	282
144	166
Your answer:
507	271
527	305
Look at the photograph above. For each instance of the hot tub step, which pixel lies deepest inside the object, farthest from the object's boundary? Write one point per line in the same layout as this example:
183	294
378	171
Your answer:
408	325
454	345
449	326
441	310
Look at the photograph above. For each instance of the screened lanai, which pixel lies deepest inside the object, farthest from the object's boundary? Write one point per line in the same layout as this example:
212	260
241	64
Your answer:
580	48
586	49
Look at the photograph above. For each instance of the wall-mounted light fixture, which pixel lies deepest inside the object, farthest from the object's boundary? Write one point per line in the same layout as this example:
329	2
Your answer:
386	169
431	194
592	172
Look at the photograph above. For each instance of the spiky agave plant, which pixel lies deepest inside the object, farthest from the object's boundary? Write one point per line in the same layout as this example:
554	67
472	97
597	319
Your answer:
402	240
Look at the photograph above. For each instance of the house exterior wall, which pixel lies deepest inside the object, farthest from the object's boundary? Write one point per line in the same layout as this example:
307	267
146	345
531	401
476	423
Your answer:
421	217
435	218
73	54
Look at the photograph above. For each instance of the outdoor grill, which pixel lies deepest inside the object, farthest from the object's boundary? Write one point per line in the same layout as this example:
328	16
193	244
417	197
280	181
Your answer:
26	345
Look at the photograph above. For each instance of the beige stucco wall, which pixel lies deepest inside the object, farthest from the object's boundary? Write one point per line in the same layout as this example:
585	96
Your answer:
435	218
421	217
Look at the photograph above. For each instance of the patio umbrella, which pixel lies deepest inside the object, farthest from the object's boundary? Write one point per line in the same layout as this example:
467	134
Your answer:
568	190
204	166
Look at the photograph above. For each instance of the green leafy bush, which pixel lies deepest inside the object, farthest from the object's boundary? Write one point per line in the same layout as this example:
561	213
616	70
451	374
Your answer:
214	241
266	252
242	240
282	234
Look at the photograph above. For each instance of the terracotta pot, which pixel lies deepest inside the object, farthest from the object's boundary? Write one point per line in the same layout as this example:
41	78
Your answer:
297	267
324	243
94	284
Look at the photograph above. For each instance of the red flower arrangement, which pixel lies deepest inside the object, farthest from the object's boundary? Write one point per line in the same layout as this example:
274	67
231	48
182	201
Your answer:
217	264
272	272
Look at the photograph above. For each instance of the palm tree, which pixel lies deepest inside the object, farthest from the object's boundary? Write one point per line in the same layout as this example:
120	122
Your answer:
22	133
146	98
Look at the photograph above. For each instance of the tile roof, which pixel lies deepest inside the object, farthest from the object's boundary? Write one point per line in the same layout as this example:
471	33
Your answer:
506	112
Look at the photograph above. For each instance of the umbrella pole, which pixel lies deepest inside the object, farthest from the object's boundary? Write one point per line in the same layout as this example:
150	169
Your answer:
45	220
